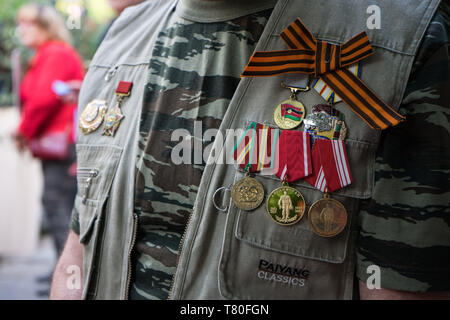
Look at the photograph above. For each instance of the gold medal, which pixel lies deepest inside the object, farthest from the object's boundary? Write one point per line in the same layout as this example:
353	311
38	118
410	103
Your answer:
327	217
115	114
247	194
112	121
289	114
285	205
92	116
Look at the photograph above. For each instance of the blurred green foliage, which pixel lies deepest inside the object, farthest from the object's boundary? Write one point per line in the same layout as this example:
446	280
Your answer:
85	40
8	42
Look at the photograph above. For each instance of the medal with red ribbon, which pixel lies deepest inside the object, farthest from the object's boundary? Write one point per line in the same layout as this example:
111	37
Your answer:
288	155
115	114
286	205
328	217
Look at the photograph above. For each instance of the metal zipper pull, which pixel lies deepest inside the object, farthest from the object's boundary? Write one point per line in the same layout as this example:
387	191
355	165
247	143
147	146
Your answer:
111	72
133	242
92	173
86	190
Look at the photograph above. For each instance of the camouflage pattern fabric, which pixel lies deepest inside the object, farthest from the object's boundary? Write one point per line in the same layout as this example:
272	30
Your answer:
193	74
405	227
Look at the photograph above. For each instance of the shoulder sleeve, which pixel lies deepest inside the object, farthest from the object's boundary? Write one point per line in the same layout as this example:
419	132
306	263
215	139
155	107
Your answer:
413	158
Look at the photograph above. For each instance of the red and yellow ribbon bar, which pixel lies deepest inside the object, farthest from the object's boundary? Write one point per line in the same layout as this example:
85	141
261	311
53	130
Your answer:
327	61
124	88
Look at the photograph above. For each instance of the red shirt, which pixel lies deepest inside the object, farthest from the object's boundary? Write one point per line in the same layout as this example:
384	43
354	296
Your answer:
42	110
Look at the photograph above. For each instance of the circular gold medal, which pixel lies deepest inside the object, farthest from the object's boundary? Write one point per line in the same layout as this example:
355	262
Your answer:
327	217
285	205
92	116
289	114
247	194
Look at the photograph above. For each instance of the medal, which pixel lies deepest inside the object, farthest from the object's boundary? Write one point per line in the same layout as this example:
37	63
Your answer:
285	205
115	115
92	116
247	194
290	113
326	122
294	153
112	120
327	217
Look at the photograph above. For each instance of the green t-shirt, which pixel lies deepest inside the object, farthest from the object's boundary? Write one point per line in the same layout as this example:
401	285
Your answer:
405	226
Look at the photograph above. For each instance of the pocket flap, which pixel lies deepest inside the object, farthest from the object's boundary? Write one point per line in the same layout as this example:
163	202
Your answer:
361	157
257	228
88	217
97	165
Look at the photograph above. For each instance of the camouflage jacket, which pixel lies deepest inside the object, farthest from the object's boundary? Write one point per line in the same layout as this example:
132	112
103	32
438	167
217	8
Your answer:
404	227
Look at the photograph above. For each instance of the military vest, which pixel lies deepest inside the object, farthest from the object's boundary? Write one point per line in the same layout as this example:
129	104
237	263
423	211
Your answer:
237	254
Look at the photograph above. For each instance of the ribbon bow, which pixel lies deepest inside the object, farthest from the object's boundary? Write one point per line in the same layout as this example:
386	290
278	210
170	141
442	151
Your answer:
327	61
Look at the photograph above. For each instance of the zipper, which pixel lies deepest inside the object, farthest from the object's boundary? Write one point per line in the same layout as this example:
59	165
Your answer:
89	174
183	236
82	172
130	251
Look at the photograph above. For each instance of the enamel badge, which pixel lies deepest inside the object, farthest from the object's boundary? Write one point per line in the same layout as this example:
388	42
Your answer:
285	205
112	120
327	217
92	116
325	122
247	194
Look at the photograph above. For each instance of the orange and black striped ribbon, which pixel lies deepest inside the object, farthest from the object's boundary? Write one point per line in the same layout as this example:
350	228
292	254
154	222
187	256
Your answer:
327	61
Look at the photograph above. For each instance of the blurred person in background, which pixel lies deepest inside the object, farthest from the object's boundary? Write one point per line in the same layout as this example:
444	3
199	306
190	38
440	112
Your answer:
47	110
118	6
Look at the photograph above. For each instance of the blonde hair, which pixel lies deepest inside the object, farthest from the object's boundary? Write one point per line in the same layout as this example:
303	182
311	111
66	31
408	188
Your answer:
48	19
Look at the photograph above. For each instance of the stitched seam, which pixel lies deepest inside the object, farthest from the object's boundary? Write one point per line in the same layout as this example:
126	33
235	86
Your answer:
336	42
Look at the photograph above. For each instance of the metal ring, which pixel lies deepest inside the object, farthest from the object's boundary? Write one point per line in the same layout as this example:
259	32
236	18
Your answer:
214	199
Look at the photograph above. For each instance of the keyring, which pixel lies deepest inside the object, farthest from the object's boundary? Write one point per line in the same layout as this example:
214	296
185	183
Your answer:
214	199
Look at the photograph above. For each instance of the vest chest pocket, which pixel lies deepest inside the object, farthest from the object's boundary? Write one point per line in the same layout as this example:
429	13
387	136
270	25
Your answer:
97	165
261	259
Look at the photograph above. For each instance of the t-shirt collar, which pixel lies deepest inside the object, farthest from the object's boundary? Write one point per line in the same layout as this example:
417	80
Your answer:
220	10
